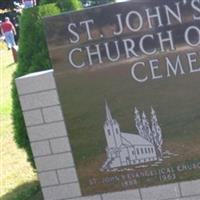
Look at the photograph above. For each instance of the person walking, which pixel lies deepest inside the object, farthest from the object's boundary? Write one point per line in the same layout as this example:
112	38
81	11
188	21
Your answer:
8	30
28	3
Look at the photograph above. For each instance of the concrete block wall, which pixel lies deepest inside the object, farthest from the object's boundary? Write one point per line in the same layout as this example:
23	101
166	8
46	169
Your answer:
52	152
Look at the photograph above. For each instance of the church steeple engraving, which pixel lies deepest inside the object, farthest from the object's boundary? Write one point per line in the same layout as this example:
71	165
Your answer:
124	149
112	130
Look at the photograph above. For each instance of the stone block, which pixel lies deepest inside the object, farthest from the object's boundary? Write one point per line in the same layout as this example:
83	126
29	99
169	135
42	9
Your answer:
48	178
53	162
47	131
60	145
39	100
35	82
97	197
62	192
67	175
41	148
190	188
52	114
161	192
189	198
33	117
126	195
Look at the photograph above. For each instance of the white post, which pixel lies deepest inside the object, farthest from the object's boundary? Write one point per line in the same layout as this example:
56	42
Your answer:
48	136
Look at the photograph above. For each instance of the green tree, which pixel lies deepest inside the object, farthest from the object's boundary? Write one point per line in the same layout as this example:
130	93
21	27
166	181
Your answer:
42	2
96	2
6	4
64	5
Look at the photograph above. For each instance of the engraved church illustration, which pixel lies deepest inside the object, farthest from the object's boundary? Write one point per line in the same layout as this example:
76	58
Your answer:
125	149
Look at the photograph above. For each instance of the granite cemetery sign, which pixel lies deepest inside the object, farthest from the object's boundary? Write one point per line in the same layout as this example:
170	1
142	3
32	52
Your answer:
128	80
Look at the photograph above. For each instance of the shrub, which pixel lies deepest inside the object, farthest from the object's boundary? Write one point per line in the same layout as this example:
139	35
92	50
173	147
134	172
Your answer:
32	57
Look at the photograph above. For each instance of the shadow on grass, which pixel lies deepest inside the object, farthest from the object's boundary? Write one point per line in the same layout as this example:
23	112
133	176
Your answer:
10	65
27	191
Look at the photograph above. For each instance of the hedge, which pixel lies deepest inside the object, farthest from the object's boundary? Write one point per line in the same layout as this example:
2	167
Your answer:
32	57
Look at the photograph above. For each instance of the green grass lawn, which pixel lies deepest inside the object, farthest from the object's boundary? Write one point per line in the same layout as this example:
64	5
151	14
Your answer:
18	181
